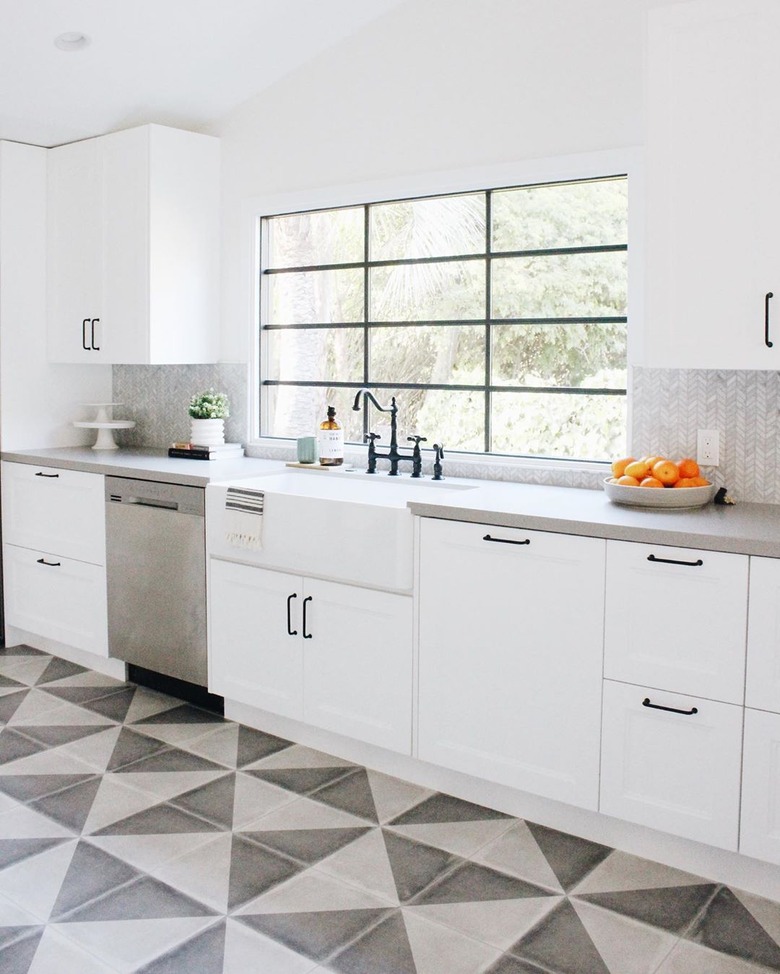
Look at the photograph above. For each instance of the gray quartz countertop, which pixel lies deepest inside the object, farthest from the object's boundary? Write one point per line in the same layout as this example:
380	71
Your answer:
147	464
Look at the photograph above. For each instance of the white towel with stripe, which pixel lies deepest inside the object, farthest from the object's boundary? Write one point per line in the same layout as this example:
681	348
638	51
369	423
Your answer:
244	517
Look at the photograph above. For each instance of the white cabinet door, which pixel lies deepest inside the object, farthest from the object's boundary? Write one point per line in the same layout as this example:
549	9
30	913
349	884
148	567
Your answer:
57	510
255	657
56	597
760	828
763	655
511	630
713	85
676	619
357	670
676	769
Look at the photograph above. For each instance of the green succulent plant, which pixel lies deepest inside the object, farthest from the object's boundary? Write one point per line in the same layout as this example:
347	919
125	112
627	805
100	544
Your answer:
210	405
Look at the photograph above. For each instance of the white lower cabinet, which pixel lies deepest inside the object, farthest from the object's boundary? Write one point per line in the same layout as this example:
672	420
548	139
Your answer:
762	683
672	762
760	829
335	656
55	597
511	629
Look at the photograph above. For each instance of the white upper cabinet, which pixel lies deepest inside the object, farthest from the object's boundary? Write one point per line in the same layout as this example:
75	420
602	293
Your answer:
713	155
132	262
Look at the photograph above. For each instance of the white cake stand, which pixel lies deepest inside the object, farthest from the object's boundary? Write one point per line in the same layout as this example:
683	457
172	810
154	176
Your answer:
104	425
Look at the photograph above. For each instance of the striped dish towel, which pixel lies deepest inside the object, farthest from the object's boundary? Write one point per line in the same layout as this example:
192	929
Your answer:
244	517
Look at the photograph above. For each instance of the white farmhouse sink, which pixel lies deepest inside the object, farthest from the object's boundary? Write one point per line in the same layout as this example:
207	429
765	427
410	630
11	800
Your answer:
347	527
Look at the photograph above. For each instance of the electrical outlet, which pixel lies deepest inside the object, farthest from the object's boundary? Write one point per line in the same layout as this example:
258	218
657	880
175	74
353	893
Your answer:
708	448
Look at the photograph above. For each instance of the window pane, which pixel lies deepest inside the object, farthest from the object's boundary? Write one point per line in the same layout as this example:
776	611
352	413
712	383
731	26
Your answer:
559	425
586	214
322	237
437	354
314	297
315	354
428	292
294	411
560	355
454	419
444	227
565	286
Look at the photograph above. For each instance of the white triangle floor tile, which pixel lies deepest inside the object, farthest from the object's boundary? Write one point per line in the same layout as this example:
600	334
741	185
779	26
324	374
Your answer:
180	735
95	750
130	944
150	852
364	863
766	912
689	958
202	873
42	708
626	946
58	953
248	952
437	949
304	813
12	915
255	798
91	678
621	872
516	852
147	703
313	891
25	823
499	923
114	801
299	756
24	669
220	745
34	883
48	762
460	838
392	796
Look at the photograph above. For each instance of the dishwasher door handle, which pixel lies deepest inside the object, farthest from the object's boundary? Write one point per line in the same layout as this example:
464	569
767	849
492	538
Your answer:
152	502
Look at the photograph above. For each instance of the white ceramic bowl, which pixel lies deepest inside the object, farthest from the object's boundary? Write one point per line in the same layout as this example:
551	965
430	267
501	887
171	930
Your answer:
660	497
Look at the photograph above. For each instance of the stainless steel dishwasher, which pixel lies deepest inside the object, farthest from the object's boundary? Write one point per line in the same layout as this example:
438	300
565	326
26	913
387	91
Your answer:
156	559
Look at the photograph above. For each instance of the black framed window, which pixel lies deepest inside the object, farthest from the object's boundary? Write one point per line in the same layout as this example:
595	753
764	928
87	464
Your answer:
497	318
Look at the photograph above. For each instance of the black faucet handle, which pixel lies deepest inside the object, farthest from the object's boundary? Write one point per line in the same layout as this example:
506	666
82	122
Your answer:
370	437
417	440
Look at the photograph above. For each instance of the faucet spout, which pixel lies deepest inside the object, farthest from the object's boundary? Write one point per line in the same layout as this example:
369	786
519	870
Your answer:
393	455
367	394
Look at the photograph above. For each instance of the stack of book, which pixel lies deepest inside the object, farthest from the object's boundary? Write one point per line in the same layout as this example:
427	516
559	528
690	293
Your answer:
192	451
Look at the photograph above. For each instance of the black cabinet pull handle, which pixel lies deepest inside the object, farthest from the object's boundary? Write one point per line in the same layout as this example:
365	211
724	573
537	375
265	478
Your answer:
290	630
306	635
95	348
769	295
505	540
671	710
84	335
50	476
50	564
671	561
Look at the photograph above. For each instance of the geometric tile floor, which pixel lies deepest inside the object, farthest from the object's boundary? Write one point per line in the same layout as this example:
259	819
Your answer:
138	833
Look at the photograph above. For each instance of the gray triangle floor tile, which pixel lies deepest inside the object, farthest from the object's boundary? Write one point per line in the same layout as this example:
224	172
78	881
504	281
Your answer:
352	794
672	908
472	882
15	850
92	873
726	926
27	787
213	801
160	819
70	807
183	713
56	735
204	954
22	649
10	703
14	746
9	935
511	965
570	857
446	808
561	943
131	747
254	870
58	669
317	935
307	845
415	866
143	899
78	694
303	781
17	957
173	759
6	681
385	949
113	705
253	745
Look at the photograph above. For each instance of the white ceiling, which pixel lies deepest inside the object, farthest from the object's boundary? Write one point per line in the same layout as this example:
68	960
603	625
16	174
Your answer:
175	62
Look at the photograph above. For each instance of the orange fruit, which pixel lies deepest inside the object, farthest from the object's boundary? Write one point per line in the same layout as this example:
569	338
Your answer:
650	482
619	466
688	467
666	471
638	469
627	481
685	482
699	482
653	460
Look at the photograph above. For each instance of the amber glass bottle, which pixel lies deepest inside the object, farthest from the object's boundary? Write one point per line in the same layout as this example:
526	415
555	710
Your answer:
331	441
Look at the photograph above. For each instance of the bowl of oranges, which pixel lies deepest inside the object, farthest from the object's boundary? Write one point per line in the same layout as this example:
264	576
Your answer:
656	481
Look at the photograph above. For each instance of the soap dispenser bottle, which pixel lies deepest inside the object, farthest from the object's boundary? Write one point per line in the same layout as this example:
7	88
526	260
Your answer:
331	441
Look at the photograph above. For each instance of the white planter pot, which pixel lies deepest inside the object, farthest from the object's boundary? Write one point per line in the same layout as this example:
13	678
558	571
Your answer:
207	432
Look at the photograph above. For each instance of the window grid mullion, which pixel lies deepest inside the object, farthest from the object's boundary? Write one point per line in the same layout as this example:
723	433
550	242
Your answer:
366	311
488	405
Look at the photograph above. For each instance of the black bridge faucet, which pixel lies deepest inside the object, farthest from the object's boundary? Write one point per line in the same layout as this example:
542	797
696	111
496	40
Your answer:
393	454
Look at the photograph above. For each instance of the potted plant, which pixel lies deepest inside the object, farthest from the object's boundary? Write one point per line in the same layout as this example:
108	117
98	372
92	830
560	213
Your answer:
208	412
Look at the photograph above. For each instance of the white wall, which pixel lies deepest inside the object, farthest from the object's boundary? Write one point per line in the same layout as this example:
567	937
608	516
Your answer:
433	85
38	401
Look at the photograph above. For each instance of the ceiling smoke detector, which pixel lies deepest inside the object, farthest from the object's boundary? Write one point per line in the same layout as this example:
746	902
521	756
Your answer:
72	40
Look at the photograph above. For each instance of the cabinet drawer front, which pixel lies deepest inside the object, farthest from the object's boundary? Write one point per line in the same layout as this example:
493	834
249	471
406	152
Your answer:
668	768
760	827
763	655
62	511
56	597
676	619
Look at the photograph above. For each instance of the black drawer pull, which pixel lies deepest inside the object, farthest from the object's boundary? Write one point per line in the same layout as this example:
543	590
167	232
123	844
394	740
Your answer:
671	561
767	297
306	635
50	564
53	476
84	335
505	540
290	630
671	710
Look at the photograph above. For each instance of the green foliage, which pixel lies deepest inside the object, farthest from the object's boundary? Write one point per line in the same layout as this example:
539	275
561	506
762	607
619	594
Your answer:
209	405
